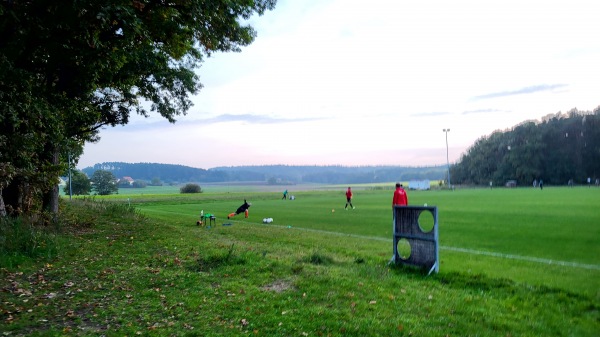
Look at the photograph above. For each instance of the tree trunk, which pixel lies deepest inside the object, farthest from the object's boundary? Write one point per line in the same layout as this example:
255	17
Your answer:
2	207
50	198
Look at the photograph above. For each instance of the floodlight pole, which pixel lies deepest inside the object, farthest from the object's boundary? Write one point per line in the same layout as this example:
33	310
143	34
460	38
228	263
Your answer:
447	160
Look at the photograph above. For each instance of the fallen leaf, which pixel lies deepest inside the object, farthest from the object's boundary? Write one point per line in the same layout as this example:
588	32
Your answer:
49	295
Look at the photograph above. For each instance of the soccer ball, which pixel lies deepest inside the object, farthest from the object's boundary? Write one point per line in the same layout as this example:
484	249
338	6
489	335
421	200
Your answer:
332	210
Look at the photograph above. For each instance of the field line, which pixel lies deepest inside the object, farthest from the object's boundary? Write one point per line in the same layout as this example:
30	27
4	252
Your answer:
453	249
472	251
523	258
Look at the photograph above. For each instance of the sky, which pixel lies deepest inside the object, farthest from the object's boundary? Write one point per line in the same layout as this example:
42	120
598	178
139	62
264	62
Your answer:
355	83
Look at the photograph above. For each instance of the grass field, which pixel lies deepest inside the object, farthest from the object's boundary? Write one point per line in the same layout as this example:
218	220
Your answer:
514	262
548	237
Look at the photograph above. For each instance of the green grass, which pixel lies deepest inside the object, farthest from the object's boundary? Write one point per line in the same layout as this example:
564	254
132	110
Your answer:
313	272
554	225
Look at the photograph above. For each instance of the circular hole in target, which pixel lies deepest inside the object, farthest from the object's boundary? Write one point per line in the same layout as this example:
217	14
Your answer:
426	221
404	249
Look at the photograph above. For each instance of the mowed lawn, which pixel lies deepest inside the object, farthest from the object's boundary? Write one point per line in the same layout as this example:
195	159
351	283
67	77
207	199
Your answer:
544	237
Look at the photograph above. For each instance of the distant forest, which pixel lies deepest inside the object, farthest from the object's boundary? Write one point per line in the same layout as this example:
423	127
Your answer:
273	174
558	149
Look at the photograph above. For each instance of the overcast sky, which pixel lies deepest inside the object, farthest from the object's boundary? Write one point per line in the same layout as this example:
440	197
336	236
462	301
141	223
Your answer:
348	82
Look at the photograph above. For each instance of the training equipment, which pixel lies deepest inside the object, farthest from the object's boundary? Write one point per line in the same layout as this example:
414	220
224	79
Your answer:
423	244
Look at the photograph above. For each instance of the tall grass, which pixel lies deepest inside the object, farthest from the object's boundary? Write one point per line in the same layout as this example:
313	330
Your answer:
23	239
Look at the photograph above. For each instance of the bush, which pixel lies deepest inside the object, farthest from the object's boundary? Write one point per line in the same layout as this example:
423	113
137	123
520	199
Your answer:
191	188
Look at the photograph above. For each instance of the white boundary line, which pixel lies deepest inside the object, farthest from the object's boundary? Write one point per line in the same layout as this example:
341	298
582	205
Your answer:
470	251
453	249
523	258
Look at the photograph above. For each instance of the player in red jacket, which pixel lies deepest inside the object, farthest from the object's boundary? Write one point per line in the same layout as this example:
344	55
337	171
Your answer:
400	197
348	199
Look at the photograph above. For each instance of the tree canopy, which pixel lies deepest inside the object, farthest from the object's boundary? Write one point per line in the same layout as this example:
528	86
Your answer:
69	68
557	149
78	184
104	183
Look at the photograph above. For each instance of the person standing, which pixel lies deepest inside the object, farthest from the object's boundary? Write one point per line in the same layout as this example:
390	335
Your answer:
400	197
284	194
349	199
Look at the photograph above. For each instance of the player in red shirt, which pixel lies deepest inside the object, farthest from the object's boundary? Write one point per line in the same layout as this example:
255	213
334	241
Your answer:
348	199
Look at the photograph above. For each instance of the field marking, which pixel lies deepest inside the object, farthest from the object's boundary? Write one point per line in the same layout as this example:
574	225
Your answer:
454	249
523	258
472	251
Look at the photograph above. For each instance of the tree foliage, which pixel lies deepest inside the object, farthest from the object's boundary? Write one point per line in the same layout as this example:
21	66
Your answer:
79	184
104	183
559	148
68	68
139	184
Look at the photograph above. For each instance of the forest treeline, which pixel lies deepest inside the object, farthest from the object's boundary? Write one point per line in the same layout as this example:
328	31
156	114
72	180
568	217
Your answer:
559	148
562	147
274	174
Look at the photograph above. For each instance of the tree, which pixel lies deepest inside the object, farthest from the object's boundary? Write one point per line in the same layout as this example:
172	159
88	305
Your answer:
79	184
139	184
156	182
559	148
68	68
104	183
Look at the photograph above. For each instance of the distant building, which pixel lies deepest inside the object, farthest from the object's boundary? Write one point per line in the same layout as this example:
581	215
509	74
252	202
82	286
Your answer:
419	184
127	179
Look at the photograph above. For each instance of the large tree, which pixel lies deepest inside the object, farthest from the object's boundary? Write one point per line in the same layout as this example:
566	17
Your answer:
68	68
78	184
104	182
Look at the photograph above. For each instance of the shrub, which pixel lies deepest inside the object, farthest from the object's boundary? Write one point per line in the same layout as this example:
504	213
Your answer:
191	188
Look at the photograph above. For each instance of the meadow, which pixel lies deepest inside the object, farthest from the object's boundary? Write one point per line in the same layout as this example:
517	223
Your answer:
514	262
544	237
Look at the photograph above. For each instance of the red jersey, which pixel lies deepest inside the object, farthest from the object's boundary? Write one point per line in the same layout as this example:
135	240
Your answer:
400	197
348	194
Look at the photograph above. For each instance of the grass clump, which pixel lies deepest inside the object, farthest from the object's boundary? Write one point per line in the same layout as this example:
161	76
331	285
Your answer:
318	258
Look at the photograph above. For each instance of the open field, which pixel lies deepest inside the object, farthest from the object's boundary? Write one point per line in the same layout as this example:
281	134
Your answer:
548	237
515	262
